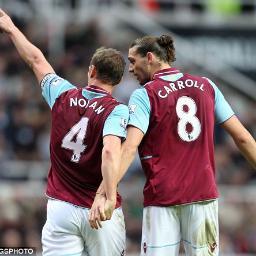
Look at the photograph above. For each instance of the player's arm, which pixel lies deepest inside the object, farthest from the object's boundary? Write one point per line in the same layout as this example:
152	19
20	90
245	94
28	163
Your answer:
114	129
227	119
129	149
111	155
28	52
105	199
139	109
243	139
128	152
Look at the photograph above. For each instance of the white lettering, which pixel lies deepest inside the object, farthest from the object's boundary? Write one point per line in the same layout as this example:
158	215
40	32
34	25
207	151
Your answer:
93	105
189	83
162	96
82	102
99	109
172	85
180	85
167	89
73	102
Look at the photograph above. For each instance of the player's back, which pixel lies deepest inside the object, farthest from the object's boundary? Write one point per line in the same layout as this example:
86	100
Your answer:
76	145
177	152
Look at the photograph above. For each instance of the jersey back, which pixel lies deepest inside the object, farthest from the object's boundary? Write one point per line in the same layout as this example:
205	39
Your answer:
76	146
177	152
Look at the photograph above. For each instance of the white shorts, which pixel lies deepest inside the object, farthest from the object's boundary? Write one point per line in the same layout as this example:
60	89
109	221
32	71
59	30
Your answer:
67	232
196	225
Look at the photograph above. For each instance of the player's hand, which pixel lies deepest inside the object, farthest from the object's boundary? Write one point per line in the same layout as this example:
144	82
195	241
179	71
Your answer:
97	211
109	208
6	24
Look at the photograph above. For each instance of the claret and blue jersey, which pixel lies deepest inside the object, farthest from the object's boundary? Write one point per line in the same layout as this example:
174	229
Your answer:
80	120
177	113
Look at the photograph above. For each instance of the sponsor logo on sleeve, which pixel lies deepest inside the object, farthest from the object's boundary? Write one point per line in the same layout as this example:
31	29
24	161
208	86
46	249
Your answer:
132	108
123	123
53	79
46	79
56	81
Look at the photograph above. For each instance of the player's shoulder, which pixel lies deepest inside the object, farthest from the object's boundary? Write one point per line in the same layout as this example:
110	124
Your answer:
149	84
120	110
54	80
139	93
117	106
201	79
121	106
72	92
111	100
210	81
195	77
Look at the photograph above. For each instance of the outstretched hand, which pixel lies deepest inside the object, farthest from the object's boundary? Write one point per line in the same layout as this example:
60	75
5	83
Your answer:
6	24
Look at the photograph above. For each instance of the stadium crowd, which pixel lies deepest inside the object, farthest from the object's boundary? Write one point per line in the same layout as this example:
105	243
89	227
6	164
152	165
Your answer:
24	136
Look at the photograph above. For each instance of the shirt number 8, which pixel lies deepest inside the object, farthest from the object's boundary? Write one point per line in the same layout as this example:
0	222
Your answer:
186	109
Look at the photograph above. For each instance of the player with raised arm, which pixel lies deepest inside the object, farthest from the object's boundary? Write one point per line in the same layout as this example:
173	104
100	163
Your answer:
88	125
171	122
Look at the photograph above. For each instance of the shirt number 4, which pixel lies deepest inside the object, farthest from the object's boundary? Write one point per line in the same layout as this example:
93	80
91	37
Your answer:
186	109
73	140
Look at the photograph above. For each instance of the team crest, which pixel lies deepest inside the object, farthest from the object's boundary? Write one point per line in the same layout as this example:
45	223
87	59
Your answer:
132	108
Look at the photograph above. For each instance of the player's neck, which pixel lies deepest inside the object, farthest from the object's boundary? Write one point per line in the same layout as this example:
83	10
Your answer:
106	87
159	67
163	66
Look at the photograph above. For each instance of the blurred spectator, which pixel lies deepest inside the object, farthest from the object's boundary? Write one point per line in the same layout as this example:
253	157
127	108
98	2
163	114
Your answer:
224	7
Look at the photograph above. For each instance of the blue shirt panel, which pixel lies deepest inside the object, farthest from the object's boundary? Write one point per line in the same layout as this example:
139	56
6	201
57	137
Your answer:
223	110
116	122
171	77
91	94
53	86
139	109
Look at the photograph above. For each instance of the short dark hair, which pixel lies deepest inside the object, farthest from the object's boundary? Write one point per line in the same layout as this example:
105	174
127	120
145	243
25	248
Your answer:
109	64
162	47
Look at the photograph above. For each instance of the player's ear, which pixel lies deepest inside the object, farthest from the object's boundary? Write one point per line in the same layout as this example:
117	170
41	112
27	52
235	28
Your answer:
92	71
150	57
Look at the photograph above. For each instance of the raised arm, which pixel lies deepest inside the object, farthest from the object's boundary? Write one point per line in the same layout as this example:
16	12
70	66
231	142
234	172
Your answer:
243	139
28	52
